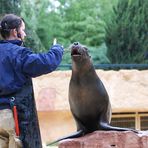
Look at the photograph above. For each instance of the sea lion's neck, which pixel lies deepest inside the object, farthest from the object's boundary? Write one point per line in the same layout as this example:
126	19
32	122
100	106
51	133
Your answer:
82	68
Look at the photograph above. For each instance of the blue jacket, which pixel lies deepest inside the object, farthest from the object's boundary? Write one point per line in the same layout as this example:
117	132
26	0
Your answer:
17	63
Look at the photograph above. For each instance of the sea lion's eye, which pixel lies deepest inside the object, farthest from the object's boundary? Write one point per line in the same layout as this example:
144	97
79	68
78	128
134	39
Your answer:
85	48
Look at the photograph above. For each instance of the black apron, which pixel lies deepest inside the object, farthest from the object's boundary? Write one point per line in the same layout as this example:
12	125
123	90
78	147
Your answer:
27	116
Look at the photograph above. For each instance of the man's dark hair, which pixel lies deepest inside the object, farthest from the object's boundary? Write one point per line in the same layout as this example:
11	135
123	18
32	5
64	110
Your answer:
8	22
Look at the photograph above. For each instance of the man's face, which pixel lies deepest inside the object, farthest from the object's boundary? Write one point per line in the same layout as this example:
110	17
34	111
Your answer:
21	32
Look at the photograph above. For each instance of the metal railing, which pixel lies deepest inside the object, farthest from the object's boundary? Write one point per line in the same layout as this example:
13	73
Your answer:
109	66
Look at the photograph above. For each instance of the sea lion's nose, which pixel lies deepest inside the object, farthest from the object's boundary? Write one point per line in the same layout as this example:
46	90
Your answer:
76	43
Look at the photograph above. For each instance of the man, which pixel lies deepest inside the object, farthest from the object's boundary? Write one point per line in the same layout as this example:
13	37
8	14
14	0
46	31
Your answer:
18	65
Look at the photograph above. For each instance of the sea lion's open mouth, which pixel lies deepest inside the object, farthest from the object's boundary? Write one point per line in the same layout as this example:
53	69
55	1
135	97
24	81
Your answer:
75	51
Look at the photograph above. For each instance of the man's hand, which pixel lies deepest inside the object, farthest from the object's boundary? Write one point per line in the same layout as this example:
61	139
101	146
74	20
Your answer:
54	41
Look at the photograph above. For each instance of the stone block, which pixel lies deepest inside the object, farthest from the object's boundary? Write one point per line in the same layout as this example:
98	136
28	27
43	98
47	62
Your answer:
108	139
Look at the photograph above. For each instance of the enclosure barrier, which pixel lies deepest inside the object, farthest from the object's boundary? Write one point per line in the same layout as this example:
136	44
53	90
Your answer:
110	66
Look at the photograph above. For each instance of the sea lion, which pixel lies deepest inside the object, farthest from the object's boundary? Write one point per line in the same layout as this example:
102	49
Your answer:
88	98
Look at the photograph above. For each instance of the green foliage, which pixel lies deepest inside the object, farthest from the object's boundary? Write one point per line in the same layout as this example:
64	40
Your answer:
73	20
126	33
49	23
82	22
9	6
32	40
99	54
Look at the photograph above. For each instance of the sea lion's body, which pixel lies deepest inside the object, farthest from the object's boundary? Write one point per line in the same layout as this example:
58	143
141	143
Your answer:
88	98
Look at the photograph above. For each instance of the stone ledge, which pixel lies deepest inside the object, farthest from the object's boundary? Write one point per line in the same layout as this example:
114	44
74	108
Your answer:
108	139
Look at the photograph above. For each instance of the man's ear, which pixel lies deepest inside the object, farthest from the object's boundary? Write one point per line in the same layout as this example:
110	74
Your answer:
13	32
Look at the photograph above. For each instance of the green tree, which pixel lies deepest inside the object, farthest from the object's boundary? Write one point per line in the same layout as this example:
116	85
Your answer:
85	22
82	22
126	33
28	13
49	23
72	20
9	6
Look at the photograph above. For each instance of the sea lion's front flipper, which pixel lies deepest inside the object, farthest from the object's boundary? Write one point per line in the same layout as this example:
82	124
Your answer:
74	135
